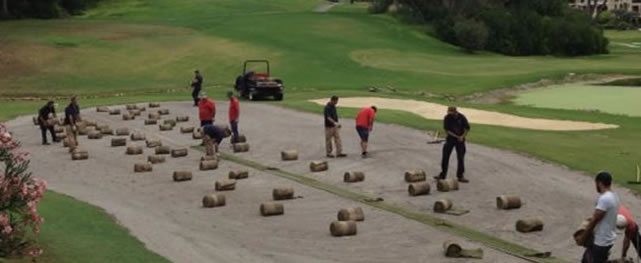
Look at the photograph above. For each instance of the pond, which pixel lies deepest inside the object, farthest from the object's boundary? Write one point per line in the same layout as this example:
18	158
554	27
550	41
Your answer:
588	97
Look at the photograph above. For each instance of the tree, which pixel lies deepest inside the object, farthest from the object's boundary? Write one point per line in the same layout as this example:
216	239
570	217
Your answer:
471	35
596	6
5	8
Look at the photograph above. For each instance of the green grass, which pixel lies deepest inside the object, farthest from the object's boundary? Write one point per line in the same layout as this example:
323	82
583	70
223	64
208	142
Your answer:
610	99
147	48
78	232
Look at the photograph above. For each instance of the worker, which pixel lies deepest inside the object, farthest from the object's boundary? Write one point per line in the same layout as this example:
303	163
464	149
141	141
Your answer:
206	110
196	86
72	116
332	128
364	126
457	127
626	222
602	223
234	114
213	136
46	119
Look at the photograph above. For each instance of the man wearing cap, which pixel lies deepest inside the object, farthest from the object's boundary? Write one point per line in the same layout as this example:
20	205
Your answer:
46	119
364	126
234	114
206	110
72	115
213	136
602	223
196	86
457	127
626	222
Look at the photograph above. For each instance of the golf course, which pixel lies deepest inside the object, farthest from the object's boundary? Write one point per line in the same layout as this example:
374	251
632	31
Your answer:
138	51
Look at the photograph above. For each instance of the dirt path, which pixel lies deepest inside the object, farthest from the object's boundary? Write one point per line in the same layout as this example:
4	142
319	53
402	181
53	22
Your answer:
168	218
435	111
325	6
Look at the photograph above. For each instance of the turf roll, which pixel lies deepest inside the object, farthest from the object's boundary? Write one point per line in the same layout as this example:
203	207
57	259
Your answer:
351	214
118	142
506	202
142	167
353	177
238	174
208	165
420	188
283	193
134	150
413	176
225	185
180	176
343	228
272	209
181	152
318	166
289	155
213	200
441	206
529	225
447	185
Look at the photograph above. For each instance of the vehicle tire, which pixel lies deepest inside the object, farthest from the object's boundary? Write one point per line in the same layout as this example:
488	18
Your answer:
278	96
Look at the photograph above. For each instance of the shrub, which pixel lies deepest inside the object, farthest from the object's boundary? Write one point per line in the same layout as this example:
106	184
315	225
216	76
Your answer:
20	194
379	6
471	35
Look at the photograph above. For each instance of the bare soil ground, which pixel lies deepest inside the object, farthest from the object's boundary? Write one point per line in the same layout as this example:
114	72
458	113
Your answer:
169	219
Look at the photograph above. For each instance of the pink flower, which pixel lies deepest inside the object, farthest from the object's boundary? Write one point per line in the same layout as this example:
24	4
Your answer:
7	230
4	219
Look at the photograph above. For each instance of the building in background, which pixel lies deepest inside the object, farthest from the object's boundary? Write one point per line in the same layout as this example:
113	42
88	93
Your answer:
628	5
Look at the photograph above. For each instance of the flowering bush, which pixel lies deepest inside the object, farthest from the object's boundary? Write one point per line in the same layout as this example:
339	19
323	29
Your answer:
19	197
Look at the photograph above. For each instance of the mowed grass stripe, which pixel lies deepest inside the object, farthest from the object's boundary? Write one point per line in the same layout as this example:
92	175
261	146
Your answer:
498	244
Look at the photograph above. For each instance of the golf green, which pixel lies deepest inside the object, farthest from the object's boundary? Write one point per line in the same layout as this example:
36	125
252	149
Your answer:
608	99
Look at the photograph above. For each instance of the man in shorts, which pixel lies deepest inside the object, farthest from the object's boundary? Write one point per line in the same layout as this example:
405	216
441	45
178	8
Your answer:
364	126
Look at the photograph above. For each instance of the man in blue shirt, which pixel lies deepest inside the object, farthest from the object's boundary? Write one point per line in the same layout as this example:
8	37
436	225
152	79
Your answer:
456	127
213	136
46	119
332	128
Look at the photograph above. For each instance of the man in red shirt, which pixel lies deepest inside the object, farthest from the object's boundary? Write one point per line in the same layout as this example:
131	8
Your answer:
234	114
625	220
206	110
364	125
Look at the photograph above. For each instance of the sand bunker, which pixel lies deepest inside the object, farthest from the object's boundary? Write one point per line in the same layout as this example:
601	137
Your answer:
435	111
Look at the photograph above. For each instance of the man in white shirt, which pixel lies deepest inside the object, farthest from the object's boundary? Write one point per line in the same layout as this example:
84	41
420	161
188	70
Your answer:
602	223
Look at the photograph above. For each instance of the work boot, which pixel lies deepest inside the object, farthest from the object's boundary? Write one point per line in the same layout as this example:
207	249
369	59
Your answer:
329	155
341	155
463	180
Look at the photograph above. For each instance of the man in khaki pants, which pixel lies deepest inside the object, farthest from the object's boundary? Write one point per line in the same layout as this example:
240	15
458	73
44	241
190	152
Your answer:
332	128
72	116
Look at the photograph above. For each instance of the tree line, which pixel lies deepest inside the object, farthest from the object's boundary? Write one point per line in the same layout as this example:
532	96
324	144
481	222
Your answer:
512	27
43	8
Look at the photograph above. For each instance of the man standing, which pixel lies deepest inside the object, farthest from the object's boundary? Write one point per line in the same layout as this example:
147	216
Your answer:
206	110
332	128
213	136
626	221
234	114
364	126
46	119
603	222
456	127
72	115
196	86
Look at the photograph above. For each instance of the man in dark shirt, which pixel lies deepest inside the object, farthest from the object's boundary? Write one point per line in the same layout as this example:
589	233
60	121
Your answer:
196	86
72	116
213	136
46	119
332	128
456	127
